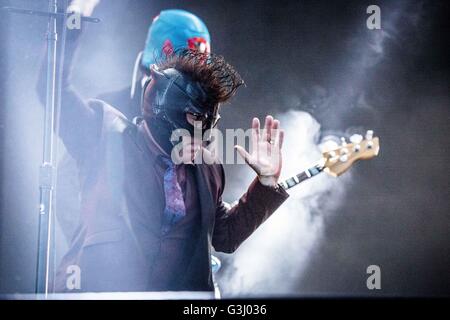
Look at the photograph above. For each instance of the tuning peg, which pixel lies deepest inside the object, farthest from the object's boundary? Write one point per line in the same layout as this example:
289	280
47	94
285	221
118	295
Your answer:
356	138
343	142
369	134
343	158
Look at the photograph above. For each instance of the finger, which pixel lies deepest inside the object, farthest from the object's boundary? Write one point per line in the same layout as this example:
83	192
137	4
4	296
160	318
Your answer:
244	154
280	139
255	132
275	131
267	127
276	124
256	125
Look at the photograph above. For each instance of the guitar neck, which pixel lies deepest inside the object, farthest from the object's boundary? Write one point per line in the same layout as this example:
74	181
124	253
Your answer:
335	162
302	176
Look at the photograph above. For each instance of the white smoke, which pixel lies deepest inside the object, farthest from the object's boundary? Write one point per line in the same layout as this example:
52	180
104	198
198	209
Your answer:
272	260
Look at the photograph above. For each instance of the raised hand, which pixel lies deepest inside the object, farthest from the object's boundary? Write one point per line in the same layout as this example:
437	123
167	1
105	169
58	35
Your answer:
265	154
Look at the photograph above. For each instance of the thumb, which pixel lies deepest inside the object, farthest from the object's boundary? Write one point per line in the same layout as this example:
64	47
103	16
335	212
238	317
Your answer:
244	154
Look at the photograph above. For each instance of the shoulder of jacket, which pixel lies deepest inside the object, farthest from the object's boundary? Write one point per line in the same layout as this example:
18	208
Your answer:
112	119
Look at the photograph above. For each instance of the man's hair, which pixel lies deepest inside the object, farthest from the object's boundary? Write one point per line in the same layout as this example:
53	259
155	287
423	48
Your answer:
218	78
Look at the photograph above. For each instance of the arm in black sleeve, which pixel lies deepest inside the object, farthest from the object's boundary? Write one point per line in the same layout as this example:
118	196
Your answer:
79	123
233	225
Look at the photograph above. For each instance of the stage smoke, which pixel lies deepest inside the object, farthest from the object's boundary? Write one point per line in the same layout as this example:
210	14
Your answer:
271	261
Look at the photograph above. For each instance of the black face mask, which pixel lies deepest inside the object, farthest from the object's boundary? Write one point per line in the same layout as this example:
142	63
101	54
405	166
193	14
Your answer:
171	96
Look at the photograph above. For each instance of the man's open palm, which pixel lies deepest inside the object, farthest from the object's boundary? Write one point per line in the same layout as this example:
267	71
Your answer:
265	150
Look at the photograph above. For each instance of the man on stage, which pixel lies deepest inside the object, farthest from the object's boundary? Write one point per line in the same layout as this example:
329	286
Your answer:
148	224
170	30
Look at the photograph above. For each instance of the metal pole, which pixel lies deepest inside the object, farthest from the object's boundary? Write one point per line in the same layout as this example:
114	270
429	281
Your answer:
46	177
47	172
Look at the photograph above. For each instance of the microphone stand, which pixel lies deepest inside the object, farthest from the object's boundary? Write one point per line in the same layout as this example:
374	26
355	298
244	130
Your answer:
47	173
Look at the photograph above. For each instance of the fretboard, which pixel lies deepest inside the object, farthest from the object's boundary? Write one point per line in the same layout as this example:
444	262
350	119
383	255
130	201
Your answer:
302	176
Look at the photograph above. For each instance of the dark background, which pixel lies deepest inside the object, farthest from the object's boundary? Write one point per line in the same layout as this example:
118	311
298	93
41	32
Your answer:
315	56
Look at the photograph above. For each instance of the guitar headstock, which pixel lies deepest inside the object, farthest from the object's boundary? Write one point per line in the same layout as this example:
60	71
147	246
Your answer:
339	160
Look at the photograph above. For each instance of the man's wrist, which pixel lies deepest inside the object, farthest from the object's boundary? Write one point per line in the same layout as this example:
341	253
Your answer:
268	181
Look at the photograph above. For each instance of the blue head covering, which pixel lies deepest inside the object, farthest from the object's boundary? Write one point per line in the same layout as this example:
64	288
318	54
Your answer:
172	30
